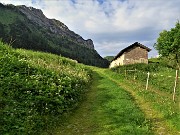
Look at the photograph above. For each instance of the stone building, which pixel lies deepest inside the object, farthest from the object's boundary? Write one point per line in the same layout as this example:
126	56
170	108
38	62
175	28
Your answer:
135	53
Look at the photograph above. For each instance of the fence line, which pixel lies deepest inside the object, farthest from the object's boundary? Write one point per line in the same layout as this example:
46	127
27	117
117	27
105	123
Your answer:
151	74
148	76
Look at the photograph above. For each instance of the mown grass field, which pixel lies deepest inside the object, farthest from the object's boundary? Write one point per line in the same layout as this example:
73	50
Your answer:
107	110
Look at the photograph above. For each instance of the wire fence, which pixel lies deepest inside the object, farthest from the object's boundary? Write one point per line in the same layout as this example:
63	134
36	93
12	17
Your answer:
166	80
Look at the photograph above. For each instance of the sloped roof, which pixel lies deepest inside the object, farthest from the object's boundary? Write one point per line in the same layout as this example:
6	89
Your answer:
129	47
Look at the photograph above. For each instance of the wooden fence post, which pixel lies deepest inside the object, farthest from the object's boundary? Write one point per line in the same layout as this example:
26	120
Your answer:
135	74
125	73
147	80
175	84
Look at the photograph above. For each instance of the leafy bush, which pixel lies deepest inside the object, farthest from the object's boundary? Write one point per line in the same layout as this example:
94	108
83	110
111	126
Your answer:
32	95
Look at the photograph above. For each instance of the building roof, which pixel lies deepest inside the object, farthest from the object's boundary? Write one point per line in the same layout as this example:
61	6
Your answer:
129	47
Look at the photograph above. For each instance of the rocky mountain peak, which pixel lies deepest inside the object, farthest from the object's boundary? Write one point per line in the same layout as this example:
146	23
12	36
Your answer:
55	26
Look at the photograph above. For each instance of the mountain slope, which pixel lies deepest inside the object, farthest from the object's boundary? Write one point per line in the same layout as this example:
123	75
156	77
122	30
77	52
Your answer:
109	58
27	27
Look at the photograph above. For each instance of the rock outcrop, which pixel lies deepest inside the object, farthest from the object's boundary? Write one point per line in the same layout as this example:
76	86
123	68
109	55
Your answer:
55	26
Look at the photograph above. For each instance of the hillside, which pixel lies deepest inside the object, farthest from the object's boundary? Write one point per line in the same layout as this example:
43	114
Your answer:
39	92
109	58
43	93
27	27
36	89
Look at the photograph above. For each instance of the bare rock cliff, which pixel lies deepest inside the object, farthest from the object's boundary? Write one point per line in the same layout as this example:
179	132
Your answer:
55	26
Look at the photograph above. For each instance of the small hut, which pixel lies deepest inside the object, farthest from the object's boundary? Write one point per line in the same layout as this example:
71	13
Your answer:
135	53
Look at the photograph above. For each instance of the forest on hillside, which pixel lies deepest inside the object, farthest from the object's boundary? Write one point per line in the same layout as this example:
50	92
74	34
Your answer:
20	32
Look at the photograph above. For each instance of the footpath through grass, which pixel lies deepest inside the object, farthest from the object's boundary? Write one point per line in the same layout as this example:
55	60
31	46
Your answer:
162	113
106	110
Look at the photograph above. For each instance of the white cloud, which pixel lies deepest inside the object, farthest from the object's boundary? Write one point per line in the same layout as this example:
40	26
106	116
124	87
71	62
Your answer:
112	24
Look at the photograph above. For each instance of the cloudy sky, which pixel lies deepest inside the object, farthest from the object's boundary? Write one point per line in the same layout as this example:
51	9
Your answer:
111	24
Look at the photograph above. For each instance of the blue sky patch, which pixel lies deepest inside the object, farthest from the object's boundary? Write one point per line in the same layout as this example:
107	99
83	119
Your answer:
33	1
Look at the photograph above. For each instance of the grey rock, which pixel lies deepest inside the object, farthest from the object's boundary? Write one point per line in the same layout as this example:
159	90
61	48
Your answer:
55	26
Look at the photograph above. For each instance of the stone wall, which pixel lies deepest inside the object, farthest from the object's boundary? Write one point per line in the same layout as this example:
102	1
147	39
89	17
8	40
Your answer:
136	55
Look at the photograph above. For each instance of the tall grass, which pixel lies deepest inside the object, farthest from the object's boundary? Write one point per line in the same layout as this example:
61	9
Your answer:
36	89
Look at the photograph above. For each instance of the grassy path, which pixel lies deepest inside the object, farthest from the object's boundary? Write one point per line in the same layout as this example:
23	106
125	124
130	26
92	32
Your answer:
113	107
107	110
159	124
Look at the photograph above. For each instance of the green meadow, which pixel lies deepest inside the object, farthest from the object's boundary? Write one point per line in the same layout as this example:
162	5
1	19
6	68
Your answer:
43	93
